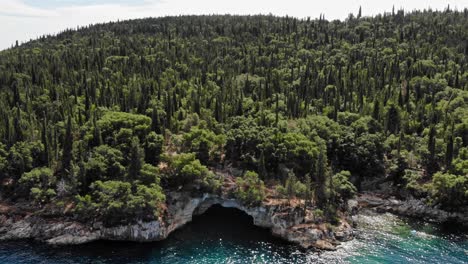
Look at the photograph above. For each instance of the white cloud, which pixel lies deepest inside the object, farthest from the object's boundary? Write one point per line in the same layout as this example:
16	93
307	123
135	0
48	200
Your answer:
22	22
16	8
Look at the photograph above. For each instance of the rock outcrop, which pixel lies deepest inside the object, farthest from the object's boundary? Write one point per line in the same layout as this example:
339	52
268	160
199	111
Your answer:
287	222
411	207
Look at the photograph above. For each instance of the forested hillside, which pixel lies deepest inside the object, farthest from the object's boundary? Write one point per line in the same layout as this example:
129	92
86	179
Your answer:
113	116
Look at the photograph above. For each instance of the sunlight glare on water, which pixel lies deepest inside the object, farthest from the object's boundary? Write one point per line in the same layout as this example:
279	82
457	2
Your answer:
227	236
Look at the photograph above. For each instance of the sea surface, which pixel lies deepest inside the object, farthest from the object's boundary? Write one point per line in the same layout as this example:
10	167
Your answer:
223	235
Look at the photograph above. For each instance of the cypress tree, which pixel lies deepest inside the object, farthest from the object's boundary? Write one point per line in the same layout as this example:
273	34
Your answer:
155	124
376	111
97	138
431	166
320	179
262	166
18	134
136	159
291	185
67	149
449	150
308	192
393	119
46	157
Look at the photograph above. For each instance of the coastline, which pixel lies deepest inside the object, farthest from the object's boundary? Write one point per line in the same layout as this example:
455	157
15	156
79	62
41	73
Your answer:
411	207
285	221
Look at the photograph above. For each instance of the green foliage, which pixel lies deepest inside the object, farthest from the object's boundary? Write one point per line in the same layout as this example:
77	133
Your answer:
149	174
293	149
204	143
186	170
136	159
211	182
40	183
157	100
413	181
118	202
153	146
290	185
318	214
250	189
104	163
460	164
321	194
450	190
3	160
24	156
111	122
293	187
243	139
308	194
42	196
342	186
361	153
67	150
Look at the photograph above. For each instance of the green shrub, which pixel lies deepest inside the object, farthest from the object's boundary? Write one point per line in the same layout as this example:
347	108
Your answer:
211	182
342	186
39	183
250	189
117	202
186	170
413	181
318	214
450	190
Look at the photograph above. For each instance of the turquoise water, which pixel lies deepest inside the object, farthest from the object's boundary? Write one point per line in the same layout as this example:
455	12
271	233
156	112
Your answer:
227	236
389	239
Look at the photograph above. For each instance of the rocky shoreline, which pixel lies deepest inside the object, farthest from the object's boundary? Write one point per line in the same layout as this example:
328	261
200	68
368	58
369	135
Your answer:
282	219
411	207
285	221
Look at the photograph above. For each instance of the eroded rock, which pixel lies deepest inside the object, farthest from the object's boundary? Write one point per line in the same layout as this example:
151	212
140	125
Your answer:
286	222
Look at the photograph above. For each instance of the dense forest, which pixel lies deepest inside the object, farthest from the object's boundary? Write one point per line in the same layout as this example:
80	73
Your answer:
112	117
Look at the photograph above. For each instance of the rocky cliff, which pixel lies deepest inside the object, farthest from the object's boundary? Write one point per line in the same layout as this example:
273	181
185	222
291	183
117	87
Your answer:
284	220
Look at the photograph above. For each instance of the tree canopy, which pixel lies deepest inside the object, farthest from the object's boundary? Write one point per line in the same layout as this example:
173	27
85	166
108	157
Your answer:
114	115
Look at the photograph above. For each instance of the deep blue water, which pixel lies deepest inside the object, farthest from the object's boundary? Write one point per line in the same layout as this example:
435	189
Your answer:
227	236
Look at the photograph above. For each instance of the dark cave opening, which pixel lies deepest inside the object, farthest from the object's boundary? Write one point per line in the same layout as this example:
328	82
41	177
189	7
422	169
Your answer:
223	223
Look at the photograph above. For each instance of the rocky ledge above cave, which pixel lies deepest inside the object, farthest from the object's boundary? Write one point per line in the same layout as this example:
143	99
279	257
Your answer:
285	219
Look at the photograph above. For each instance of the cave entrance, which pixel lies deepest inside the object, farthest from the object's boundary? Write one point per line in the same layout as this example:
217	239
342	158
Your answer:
224	223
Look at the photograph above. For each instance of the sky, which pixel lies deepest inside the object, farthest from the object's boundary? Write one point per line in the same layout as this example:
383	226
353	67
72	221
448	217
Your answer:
23	20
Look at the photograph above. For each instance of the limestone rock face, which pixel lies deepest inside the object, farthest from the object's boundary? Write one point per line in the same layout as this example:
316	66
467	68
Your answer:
284	221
